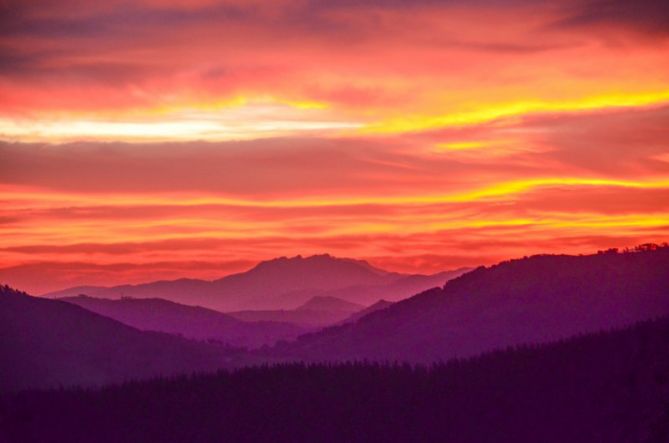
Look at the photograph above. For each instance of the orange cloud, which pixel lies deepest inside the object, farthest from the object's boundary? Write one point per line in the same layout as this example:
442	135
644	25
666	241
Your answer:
171	70
143	138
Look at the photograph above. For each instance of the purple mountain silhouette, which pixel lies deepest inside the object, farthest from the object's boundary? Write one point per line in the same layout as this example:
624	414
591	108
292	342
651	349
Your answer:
379	305
327	303
529	300
194	322
45	343
282	283
316	313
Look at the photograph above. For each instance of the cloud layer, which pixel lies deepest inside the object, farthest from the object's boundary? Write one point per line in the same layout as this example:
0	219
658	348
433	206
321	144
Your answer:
163	138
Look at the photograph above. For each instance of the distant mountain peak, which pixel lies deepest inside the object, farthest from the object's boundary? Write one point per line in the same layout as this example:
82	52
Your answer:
300	258
280	283
316	260
323	302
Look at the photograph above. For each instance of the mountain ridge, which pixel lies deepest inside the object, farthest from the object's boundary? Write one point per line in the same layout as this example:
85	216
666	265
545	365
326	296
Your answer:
54	343
280	283
530	300
194	322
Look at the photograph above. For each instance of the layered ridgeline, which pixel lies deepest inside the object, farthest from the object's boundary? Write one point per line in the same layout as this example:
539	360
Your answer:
378	306
153	314
316	313
530	300
609	387
47	343
279	284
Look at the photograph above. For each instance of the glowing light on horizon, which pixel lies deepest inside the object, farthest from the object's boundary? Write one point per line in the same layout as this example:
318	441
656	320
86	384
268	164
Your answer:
232	120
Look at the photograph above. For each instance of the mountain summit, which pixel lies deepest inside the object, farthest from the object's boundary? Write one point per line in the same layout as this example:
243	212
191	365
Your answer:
327	263
280	283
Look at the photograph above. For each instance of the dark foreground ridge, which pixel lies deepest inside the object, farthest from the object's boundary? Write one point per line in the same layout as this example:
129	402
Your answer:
605	387
48	343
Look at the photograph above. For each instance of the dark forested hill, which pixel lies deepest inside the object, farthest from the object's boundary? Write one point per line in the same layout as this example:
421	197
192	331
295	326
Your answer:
47	343
154	314
608	387
530	300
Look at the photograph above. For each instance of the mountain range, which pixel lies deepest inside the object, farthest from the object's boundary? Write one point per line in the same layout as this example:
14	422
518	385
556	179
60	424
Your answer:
530	300
279	284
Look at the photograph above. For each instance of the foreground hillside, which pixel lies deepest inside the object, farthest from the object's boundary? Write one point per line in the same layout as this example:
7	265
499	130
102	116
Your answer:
153	314
530	300
608	387
46	343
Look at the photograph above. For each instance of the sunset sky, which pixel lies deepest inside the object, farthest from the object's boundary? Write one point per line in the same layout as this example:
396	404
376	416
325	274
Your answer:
152	139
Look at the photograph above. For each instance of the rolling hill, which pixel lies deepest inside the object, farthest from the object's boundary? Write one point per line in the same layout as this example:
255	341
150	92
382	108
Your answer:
47	343
316	313
194	322
326	303
530	300
379	305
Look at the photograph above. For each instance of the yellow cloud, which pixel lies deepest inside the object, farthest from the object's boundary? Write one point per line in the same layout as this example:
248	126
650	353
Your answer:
489	112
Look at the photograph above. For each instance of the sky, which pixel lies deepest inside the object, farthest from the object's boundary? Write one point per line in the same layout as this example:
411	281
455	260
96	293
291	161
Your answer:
159	139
